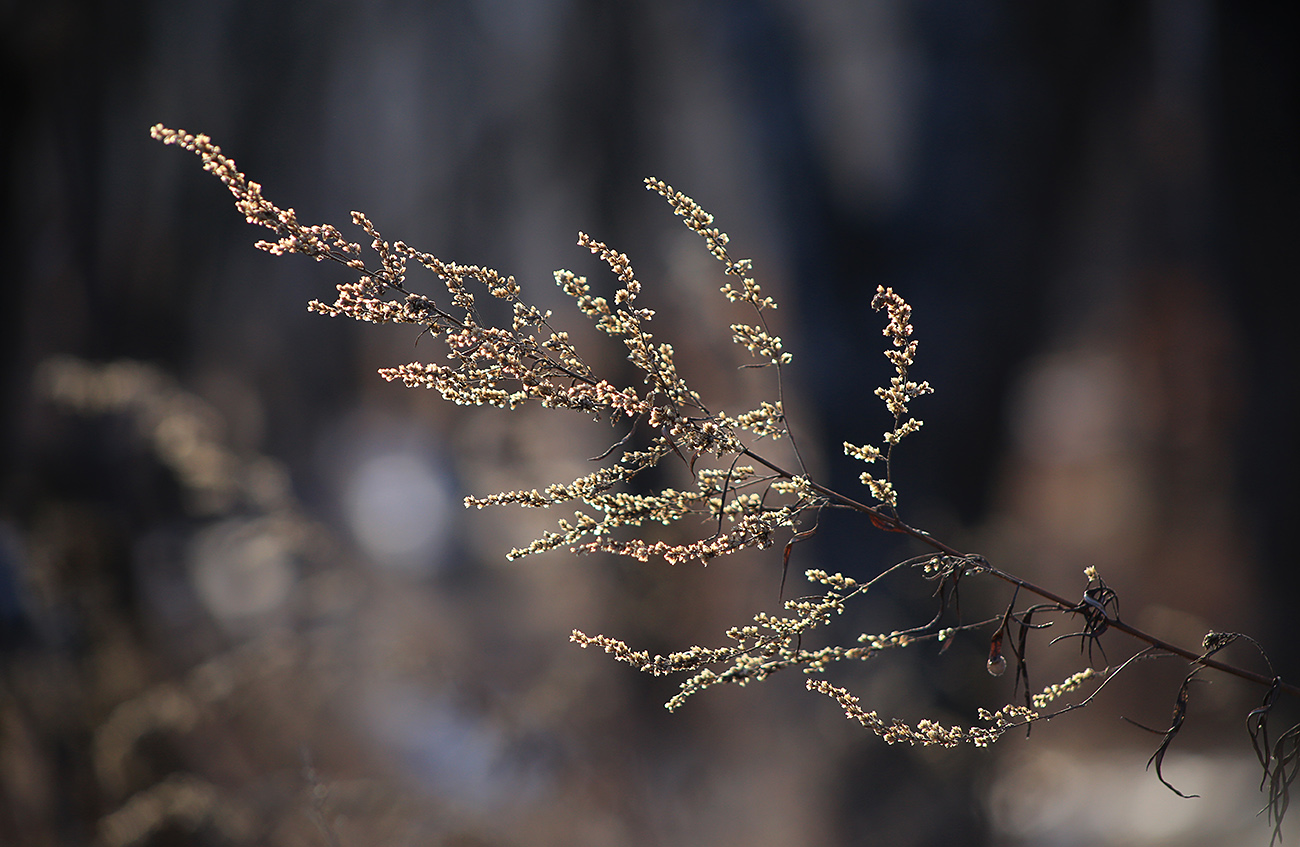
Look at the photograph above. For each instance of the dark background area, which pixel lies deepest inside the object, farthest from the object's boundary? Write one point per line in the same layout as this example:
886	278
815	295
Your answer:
240	602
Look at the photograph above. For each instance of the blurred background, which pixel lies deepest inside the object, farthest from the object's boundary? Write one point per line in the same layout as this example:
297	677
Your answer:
240	600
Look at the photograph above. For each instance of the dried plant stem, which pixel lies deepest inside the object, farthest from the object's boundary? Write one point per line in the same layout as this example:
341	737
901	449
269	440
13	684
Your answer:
530	361
891	523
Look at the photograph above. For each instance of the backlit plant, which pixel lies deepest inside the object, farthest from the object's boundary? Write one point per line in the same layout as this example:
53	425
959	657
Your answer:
741	497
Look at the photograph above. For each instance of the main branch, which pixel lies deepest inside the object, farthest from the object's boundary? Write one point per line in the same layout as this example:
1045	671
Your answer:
892	523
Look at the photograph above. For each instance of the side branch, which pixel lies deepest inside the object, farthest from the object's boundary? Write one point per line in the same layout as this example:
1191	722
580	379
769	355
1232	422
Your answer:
887	521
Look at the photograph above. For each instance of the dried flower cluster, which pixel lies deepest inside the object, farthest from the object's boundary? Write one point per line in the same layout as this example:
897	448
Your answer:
530	361
746	499
900	392
927	732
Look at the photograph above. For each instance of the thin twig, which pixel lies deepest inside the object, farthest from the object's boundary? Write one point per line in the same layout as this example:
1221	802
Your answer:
892	523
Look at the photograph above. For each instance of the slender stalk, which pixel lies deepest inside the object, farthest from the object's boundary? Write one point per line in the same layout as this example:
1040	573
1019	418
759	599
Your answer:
892	523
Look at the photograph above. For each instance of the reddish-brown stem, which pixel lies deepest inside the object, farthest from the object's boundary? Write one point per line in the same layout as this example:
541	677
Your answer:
892	523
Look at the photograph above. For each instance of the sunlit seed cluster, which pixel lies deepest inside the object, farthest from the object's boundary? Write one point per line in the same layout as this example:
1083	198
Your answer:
319	242
767	421
866	453
926	732
530	361
896	396
885	641
881	489
1069	684
743	506
757	340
